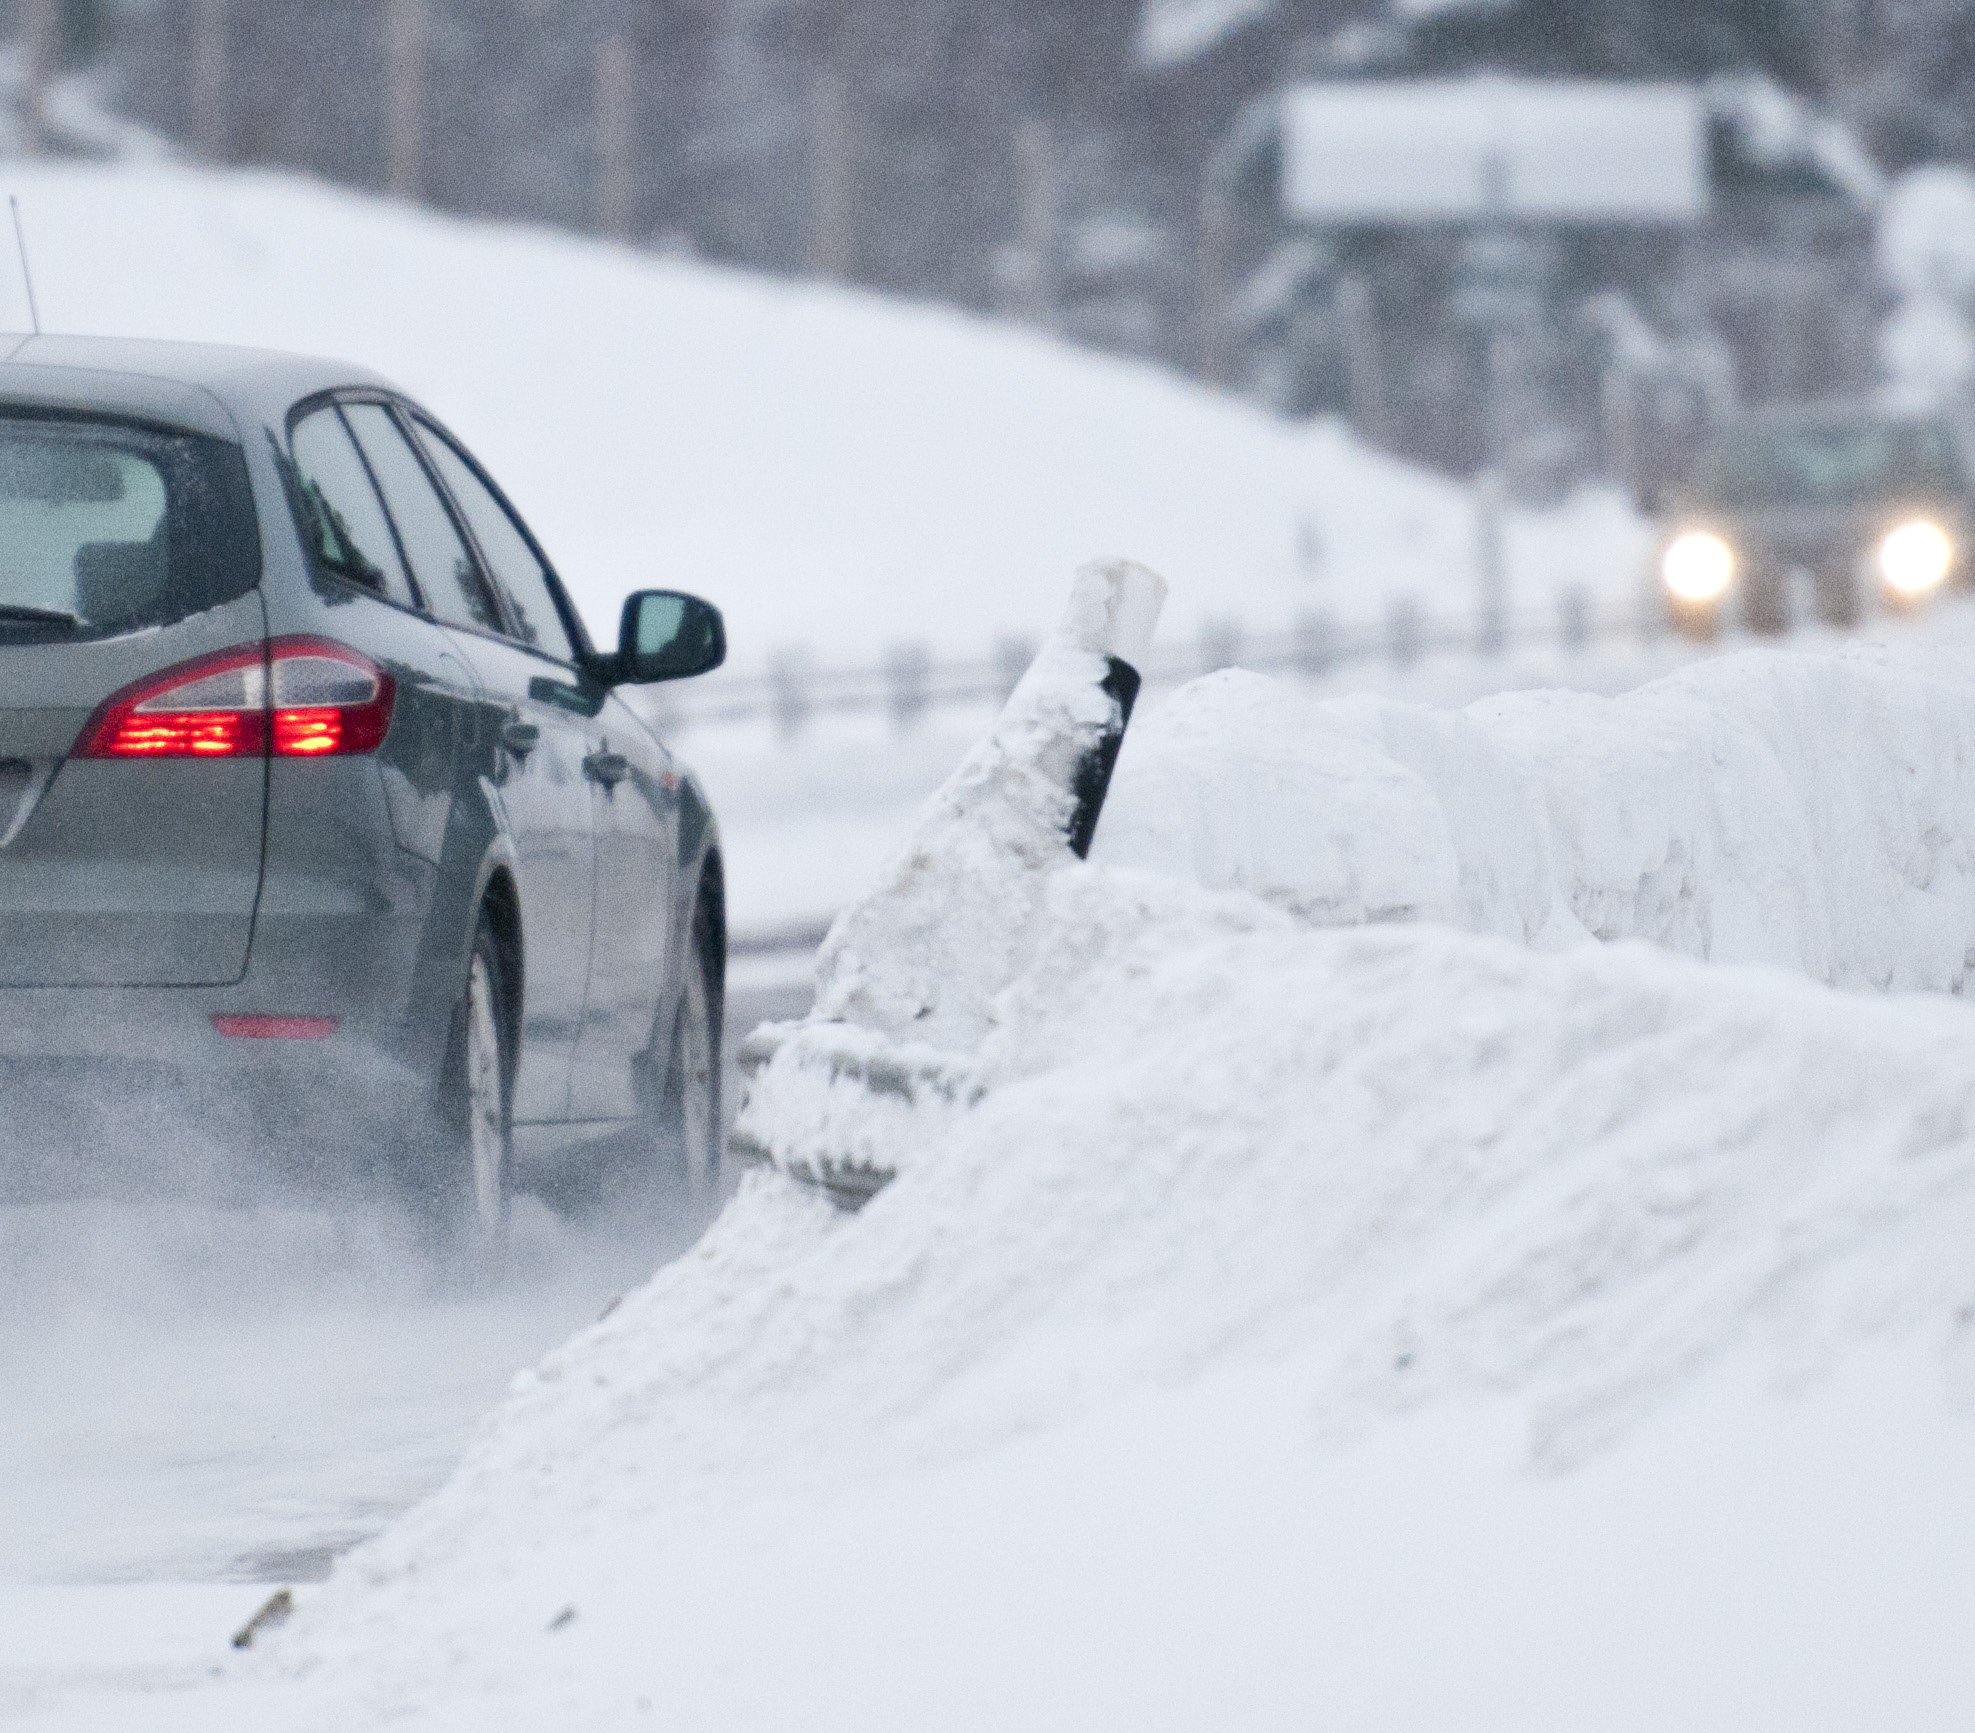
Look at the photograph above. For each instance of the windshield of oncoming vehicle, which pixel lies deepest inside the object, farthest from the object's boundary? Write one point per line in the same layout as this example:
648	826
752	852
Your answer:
105	528
1836	463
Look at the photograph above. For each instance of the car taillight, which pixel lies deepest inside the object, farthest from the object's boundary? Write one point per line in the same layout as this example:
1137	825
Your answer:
292	698
326	700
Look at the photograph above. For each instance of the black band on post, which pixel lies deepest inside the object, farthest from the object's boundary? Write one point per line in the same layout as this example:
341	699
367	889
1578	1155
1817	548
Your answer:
1093	779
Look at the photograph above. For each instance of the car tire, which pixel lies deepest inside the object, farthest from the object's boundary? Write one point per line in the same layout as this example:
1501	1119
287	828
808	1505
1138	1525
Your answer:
668	1168
690	1116
469	1187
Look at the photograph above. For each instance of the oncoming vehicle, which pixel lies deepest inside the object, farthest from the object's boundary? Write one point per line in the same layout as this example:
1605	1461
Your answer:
321	820
1865	506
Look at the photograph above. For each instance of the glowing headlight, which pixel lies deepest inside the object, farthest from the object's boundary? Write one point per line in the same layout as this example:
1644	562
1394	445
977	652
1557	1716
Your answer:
1914	558
1697	567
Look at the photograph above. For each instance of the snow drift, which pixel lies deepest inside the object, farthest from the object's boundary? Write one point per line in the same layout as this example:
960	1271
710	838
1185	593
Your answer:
1286	1209
1237	1186
1806	810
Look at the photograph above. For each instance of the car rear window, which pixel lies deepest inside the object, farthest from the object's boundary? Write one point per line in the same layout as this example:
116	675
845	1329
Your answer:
105	528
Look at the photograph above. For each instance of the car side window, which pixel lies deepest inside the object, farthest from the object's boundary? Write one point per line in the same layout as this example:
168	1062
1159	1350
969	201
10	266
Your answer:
516	567
453	587
345	526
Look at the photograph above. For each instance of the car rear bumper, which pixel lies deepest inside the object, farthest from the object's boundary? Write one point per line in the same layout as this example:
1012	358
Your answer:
214	1122
134	1072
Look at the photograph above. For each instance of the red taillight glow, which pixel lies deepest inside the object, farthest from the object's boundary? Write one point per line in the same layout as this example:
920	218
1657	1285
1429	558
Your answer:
236	735
275	1028
294	698
308	733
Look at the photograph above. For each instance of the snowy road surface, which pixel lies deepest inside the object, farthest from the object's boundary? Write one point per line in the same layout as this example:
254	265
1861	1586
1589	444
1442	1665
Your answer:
197	1392
200	1393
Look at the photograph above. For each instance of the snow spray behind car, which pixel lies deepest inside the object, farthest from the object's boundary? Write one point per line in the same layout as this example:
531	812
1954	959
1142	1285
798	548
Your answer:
907	974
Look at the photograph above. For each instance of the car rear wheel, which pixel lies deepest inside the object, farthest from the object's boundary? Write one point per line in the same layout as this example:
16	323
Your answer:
467	1189
487	1095
689	1119
667	1167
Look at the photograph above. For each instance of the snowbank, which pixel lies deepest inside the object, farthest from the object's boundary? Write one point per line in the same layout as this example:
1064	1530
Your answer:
833	468
1254	1222
1803	810
1309	1310
1799	810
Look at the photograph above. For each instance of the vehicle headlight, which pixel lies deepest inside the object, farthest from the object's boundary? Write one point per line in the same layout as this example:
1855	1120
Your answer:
1914	558
1698	566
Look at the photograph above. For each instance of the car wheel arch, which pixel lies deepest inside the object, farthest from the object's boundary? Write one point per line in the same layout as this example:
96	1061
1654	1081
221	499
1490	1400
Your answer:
500	901
711	882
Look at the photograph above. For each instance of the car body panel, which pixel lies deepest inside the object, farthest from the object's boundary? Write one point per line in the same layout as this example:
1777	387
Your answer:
540	799
121	873
637	853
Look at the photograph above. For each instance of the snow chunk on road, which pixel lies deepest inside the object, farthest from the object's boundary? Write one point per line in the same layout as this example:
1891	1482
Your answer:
1359	1175
1805	810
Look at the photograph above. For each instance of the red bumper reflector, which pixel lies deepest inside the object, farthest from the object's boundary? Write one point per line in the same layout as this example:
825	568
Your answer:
276	1028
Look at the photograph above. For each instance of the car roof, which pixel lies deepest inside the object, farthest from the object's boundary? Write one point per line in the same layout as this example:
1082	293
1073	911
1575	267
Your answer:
207	388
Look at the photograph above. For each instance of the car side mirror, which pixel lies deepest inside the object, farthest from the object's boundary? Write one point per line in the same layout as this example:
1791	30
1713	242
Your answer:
668	636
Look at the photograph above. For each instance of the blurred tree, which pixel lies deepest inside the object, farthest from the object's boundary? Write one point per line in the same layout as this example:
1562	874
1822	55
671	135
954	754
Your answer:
1904	74
85	30
1629	38
1052	160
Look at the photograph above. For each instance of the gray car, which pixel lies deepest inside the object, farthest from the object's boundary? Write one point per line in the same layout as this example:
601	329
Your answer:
1869	507
325	833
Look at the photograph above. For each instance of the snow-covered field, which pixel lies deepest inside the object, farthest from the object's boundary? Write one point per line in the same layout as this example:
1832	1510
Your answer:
833	469
1467	1223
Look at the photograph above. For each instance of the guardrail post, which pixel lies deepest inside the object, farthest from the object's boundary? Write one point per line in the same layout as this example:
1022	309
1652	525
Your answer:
1220	644
1314	637
789	691
1573	620
1653	622
1491	616
1405	631
908	674
662	709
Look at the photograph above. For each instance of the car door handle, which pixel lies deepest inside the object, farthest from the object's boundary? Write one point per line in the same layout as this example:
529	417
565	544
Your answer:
609	768
521	738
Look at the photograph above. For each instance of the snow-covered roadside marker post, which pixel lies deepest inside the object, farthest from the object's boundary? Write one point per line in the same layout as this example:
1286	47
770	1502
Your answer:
906	976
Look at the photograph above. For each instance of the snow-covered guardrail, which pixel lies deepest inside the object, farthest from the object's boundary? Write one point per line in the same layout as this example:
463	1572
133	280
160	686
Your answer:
908	681
1812	811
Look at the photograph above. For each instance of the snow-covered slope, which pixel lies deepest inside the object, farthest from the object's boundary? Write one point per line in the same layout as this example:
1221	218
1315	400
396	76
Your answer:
835	469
